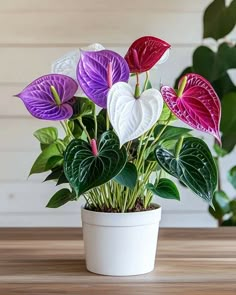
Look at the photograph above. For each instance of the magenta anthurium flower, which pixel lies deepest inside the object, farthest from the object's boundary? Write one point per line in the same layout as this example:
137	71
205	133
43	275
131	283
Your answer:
195	103
98	71
48	97
145	52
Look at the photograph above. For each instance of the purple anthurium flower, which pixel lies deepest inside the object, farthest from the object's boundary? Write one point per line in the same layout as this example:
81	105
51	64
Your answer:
48	97
98	71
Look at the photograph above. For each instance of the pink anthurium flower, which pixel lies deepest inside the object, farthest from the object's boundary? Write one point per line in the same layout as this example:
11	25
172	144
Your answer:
145	52
49	97
195	103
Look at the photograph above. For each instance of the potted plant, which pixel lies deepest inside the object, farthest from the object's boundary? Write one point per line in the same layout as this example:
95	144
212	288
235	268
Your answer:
117	157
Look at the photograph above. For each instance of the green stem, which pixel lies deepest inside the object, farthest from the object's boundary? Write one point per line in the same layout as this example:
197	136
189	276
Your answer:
107	122
95	126
85	129
146	81
179	146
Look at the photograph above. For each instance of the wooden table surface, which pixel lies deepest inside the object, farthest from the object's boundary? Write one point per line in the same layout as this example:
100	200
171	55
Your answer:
51	261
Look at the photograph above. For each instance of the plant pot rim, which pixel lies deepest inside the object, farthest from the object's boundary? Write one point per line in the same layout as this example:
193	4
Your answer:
121	219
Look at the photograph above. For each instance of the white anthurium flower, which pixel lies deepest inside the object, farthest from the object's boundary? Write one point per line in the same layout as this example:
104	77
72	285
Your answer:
67	64
131	117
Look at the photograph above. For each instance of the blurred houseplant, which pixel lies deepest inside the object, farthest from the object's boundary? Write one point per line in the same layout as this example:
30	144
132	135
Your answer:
109	156
217	66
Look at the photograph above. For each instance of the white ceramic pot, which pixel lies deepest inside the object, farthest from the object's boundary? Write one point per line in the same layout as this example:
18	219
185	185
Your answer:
120	244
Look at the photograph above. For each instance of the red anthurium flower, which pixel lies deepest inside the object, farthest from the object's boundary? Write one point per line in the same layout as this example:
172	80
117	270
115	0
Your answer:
144	53
195	103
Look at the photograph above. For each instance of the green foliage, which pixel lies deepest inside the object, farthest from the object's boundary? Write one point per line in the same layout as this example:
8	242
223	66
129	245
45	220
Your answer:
232	176
41	163
218	19
165	188
193	165
85	170
61	198
128	176
46	136
228	121
170	132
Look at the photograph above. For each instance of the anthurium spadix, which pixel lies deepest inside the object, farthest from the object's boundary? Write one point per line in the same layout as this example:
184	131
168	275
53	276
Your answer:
195	103
145	52
132	116
67	64
49	97
98	71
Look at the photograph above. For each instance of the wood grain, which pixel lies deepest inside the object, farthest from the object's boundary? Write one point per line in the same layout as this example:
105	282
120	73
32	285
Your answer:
51	261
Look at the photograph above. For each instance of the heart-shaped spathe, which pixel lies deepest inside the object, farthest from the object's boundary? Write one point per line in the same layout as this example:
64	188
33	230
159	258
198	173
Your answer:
130	116
198	105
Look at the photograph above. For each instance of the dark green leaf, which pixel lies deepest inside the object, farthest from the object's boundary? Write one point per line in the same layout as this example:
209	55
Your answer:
83	107
54	162
46	135
221	205
40	164
194	166
165	189
218	19
62	179
85	171
55	174
60	198
170	132
228	121
232	176
128	176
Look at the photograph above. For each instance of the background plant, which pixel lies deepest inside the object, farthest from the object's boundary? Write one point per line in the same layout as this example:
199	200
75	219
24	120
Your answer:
218	21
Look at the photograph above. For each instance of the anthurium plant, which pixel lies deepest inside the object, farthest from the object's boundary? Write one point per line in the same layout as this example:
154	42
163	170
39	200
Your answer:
119	145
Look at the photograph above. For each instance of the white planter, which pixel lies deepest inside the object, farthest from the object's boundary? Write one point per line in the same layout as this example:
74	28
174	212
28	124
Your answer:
120	244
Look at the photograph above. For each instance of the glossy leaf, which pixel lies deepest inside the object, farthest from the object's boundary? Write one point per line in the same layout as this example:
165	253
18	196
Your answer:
170	132
83	107
232	176
130	116
48	97
40	164
60	198
228	121
46	135
198	105
145	52
128	176
84	170
219	20
67	64
98	71
165	189
221	205
194	166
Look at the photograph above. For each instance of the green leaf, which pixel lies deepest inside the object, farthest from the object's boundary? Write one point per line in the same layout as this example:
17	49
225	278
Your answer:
40	164
218	19
219	150
221	205
55	174
83	107
194	166
165	189
128	176
232	176
46	135
228	121
166	115
170	132
54	162
85	170
60	198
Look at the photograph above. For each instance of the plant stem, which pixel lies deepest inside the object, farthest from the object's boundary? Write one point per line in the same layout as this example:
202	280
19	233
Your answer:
85	129
146	81
95	126
107	122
